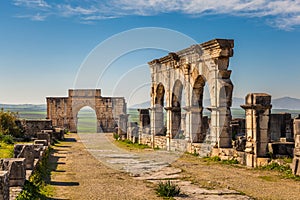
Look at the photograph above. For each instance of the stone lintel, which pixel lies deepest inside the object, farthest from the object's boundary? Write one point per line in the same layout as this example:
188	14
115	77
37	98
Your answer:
193	109
168	108
257	107
217	108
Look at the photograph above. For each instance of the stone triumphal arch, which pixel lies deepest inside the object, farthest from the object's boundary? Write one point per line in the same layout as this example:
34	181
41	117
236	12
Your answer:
180	78
63	110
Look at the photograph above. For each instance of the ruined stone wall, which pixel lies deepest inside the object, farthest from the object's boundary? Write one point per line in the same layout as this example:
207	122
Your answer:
32	127
281	126
160	142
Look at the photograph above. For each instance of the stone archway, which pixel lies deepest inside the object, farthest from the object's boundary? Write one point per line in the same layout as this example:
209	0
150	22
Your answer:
63	110
194	67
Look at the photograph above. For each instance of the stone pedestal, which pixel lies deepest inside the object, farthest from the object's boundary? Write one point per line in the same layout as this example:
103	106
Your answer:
257	108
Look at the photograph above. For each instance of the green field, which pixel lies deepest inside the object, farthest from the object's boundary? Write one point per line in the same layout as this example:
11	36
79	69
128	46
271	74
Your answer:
87	118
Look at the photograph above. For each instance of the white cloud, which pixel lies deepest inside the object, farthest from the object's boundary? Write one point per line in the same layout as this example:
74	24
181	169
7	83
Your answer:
36	17
283	14
32	3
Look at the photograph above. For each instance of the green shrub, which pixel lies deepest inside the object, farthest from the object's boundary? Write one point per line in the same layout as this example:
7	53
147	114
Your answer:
167	189
284	169
8	139
8	124
116	136
229	162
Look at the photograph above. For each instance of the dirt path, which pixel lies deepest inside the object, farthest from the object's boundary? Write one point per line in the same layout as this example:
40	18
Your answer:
79	175
90	166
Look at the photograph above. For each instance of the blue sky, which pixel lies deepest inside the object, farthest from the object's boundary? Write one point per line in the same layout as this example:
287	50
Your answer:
44	43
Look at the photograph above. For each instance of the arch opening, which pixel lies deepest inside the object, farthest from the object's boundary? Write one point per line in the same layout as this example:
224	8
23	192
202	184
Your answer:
176	110
160	113
86	120
200	99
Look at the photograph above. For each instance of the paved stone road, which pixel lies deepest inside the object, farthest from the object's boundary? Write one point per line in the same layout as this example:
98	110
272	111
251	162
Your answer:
153	166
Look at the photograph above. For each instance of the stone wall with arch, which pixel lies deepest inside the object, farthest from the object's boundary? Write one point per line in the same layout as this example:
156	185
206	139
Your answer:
188	71
63	110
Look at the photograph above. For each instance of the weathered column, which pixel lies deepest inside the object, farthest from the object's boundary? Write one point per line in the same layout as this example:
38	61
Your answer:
296	160
157	120
258	108
122	125
194	115
169	127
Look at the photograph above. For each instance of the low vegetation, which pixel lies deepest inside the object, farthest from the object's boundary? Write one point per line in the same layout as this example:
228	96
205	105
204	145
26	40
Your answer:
218	159
167	189
8	131
130	144
284	170
37	188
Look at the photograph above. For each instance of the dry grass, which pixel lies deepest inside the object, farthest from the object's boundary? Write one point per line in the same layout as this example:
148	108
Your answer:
260	184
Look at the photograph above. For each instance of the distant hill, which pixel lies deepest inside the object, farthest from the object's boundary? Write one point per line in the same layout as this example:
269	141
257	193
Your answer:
280	103
23	107
286	103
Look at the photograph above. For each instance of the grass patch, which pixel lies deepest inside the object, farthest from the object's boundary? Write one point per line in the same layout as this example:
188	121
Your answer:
6	150
284	170
218	160
130	144
167	189
193	154
267	178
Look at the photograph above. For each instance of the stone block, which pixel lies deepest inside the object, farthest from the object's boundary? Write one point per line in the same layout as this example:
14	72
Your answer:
16	170
27	152
262	162
258	98
42	142
58	135
44	136
4	185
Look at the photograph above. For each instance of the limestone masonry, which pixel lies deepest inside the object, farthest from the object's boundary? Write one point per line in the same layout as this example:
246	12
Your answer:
63	110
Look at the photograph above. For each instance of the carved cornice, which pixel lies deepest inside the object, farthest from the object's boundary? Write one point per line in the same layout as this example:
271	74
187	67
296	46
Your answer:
215	48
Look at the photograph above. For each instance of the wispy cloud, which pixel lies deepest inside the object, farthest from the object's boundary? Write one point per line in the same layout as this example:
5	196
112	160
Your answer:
283	14
35	17
32	3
